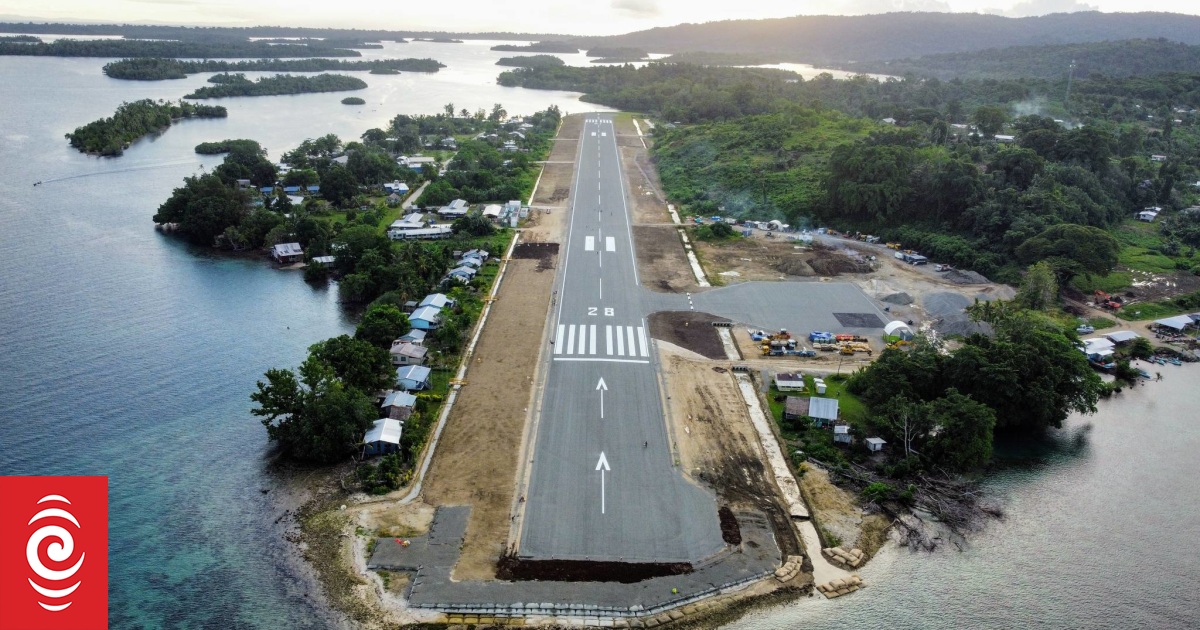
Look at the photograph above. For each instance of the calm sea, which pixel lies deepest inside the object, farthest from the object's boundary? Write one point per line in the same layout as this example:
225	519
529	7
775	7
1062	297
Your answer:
124	353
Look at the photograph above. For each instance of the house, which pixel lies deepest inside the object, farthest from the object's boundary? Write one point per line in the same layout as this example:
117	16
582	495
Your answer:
457	208
492	211
472	262
291	190
415	336
398	187
509	145
383	437
287	253
342	159
875	444
324	260
412	377
314	189
421	234
1149	214
462	274
888	121
841	434
789	381
398	405
426	318
477	253
898	329
1003	139
1121	336
267	190
437	300
243	184
416	162
404	353
1098	349
1158	158
394	199
449	143
823	411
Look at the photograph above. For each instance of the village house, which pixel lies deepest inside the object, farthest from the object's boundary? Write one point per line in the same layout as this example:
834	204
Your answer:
398	405
287	253
789	381
415	336
426	318
413	377
875	444
823	411
456	208
841	434
437	300
383	437
1149	214
405	353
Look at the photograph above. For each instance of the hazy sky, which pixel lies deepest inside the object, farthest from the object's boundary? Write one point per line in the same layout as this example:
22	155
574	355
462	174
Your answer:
553	16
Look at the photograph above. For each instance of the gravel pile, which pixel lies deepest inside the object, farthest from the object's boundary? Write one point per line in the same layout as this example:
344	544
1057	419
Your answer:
958	276
901	299
945	304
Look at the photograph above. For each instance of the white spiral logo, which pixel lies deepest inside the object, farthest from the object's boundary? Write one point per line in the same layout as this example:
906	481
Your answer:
59	551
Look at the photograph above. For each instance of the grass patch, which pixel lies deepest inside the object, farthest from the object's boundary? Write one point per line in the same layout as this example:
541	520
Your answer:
1114	282
1100	323
1150	310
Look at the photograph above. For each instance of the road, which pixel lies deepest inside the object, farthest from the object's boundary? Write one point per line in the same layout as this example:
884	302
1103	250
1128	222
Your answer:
603	485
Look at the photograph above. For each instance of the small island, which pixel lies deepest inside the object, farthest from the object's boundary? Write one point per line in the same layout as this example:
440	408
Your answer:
157	69
197	49
227	146
111	136
20	39
541	47
353	100
531	61
440	40
617	55
238	85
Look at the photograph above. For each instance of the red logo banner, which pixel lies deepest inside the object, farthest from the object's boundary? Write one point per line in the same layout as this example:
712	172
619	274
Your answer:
53	553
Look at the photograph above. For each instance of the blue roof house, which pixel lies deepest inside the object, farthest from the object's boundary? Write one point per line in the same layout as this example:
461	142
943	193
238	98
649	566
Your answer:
437	300
291	190
412	377
426	318
314	189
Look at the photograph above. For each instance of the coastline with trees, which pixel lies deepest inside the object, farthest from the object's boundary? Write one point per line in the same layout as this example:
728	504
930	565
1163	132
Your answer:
229	85
132	121
158	68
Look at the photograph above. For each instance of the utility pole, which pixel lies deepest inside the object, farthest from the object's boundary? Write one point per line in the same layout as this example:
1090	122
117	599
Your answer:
1070	77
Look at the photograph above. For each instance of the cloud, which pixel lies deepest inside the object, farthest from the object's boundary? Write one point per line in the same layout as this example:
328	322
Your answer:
638	8
872	7
1042	7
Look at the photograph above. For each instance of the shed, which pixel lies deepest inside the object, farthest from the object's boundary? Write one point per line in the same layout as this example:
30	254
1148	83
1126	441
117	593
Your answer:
898	329
787	381
398	405
383	437
426	318
414	336
437	300
823	408
1148	215
875	444
405	353
324	260
492	211
1179	322
795	407
412	377
841	434
287	253
1121	336
456	208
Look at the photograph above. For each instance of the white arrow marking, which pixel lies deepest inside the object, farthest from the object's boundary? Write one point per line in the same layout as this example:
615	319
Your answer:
602	387
602	466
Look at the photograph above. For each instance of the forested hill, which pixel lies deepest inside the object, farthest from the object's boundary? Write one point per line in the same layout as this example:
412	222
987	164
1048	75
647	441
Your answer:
815	39
1134	57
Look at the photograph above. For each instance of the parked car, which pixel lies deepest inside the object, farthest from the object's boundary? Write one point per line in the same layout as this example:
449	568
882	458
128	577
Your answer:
1085	329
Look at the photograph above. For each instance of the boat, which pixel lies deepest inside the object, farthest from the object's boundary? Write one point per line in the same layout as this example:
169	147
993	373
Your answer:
1174	361
1144	374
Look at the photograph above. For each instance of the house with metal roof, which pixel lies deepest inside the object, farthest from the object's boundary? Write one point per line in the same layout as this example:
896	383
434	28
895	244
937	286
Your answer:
404	353
456	208
413	377
287	253
841	434
437	300
398	405
415	336
383	437
426	318
1177	323
789	381
324	260
875	444
1121	336
823	411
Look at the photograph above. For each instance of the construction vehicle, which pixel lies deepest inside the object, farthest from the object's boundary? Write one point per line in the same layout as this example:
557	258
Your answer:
850	347
894	246
899	343
1111	302
825	347
849	337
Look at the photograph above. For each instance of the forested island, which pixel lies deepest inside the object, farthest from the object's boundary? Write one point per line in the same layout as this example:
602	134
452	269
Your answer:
238	85
111	136
1111	58
541	47
20	39
615	54
157	68
353	100
221	49
226	146
531	61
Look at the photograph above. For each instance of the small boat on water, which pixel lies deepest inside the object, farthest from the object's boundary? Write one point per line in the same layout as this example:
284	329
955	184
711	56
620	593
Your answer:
1144	374
1174	361
37	183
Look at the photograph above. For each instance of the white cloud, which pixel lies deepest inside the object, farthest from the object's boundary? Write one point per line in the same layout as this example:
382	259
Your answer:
1042	7
870	7
638	8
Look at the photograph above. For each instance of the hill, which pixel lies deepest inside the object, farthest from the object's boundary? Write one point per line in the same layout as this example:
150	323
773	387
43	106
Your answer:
1134	57
826	38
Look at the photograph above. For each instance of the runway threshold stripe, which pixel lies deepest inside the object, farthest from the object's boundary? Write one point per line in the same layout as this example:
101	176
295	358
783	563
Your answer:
559	339
608	339
642	341
592	335
632	348
620	343
571	339
599	360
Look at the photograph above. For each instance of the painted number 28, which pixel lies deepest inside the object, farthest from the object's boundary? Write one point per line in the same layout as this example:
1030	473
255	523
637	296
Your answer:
593	311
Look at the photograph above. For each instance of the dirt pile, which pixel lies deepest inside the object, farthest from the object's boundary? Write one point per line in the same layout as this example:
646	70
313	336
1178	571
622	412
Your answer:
958	276
731	532
512	568
828	261
900	299
689	330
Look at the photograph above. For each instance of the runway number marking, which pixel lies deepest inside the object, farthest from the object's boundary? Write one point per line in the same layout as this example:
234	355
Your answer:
595	310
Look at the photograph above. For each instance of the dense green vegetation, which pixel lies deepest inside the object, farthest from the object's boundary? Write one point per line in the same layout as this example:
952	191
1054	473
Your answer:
940	409
156	68
827	38
617	53
239	85
225	146
223	33
531	61
951	192
353	100
1108	58
16	39
220	49
541	47
719	59
110	136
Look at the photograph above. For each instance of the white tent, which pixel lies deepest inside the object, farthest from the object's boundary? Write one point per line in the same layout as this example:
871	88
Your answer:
898	329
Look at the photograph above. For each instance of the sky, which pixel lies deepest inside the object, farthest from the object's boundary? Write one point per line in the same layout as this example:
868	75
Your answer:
597	17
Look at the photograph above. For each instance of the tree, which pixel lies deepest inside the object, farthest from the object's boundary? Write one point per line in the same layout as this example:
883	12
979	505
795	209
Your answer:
474	225
1072	250
315	418
339	186
989	119
381	324
449	109
356	362
301	177
498	113
963	440
1039	287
